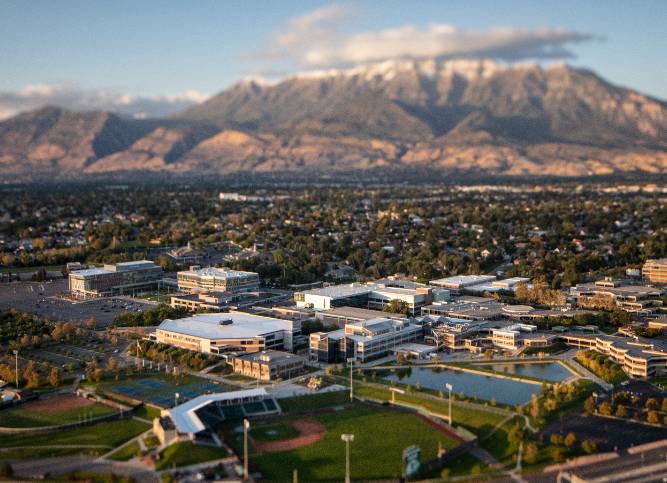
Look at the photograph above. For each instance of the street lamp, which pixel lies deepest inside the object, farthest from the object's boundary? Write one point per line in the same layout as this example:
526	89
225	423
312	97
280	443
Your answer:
16	354
176	396
350	361
449	388
348	438
246	426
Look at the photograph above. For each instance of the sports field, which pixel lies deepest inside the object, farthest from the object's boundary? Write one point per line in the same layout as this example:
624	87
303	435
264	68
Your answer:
51	411
160	389
92	440
380	435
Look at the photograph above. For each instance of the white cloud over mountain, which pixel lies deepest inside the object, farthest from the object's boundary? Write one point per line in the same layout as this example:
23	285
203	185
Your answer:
317	39
72	96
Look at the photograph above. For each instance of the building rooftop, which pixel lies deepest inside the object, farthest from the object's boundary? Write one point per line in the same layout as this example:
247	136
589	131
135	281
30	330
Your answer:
229	325
214	272
185	416
462	281
341	291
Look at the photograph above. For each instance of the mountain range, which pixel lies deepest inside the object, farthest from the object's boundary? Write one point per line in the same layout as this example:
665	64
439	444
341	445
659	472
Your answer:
458	116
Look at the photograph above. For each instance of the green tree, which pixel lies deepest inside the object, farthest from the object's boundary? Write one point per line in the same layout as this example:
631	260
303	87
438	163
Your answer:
55	378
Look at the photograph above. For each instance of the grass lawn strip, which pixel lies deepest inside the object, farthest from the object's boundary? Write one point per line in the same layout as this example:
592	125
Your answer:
25	417
187	453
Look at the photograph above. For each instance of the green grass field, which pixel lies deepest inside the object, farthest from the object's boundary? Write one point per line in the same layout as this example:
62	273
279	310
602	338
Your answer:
126	453
184	454
380	436
316	401
92	440
25	417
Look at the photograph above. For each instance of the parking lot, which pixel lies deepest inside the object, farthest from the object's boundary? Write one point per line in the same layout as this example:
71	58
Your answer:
45	299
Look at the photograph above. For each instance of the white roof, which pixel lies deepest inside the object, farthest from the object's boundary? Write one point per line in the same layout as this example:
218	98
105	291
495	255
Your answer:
462	280
209	326
215	272
89	272
341	291
185	417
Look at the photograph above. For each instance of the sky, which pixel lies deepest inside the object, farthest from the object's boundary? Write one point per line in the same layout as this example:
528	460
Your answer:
148	58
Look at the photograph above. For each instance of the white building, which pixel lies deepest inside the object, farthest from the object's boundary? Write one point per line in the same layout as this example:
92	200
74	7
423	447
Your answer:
229	332
217	280
114	279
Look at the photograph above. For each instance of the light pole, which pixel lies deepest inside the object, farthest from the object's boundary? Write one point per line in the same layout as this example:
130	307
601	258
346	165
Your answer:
350	361
395	390
449	388
16	354
176	396
348	438
246	426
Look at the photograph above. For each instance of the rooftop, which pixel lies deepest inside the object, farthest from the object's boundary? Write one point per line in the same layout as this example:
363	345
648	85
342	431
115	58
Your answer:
214	272
229	325
461	281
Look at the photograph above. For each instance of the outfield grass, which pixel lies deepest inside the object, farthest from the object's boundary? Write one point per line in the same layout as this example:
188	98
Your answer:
274	432
25	417
126	453
476	419
108	435
187	453
380	435
313	402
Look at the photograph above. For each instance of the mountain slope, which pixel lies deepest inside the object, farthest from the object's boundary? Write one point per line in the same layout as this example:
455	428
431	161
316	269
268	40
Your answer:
464	116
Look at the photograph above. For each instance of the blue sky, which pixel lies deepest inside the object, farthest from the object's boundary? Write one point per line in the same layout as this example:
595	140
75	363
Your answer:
186	49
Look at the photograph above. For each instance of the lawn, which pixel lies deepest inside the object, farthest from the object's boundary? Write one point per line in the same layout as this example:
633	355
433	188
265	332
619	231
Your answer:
313	402
25	417
147	412
126	453
96	439
380	436
475	418
187	453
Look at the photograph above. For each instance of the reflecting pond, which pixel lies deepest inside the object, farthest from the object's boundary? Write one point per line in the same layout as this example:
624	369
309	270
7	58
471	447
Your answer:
547	371
506	391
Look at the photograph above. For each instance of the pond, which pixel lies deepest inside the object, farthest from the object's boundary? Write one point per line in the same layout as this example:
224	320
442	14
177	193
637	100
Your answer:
505	391
546	371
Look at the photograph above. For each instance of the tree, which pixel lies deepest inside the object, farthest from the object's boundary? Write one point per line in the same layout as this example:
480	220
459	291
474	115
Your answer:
589	405
556	439
515	435
55	378
531	453
589	446
570	439
652	403
652	417
621	411
557	454
397	306
488	354
605	408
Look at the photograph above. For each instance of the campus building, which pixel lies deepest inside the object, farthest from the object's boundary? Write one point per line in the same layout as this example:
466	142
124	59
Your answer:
375	295
115	279
609	293
229	332
639	357
478	284
220	301
268	365
655	271
512	337
217	280
186	255
198	418
363	341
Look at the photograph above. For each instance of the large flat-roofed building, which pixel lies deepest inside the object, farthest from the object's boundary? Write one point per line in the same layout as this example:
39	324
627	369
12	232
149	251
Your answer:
268	365
461	282
610	293
221	301
229	332
655	271
511	337
114	279
217	280
341	316
374	295
363	341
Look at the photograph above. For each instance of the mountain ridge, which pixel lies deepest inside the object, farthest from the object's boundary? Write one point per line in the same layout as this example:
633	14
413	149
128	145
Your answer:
464	115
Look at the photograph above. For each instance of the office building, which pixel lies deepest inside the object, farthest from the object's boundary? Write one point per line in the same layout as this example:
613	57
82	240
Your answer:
268	365
121	278
609	293
228	332
655	271
217	280
363	341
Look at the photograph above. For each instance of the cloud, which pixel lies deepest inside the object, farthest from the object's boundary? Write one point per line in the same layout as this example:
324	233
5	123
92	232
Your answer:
316	39
75	97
